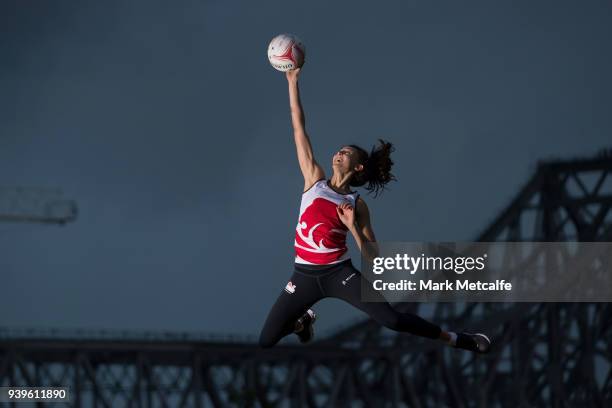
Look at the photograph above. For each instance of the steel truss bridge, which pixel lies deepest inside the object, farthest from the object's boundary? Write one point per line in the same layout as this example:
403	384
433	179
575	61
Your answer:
546	354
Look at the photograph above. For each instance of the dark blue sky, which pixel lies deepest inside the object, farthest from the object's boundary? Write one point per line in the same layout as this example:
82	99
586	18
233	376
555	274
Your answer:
166	123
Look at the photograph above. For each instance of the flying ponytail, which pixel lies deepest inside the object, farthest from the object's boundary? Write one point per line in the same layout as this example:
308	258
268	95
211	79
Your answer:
376	167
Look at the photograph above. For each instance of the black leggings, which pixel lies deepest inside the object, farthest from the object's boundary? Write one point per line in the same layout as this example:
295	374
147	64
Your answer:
311	283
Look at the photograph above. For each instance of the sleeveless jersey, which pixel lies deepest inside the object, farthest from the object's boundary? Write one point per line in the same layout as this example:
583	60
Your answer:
320	236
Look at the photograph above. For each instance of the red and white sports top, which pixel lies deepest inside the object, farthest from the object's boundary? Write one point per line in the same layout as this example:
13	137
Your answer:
320	236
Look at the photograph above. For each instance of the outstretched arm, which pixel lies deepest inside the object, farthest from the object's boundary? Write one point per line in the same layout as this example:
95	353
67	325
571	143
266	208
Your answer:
308	165
360	227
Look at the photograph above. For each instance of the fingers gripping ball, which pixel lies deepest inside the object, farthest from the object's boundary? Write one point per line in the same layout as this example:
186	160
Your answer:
286	52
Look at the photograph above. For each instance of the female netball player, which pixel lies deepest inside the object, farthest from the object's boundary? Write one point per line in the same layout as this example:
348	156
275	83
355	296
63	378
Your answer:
328	211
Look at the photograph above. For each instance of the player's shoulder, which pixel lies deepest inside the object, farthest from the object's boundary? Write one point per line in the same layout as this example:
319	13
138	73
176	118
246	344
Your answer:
360	204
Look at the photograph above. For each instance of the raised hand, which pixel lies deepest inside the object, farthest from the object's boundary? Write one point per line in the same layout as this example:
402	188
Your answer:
292	75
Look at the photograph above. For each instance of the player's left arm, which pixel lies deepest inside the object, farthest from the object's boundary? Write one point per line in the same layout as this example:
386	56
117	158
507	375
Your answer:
360	226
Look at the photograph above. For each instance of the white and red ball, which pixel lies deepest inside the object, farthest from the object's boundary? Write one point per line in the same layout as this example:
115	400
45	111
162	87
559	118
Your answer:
286	52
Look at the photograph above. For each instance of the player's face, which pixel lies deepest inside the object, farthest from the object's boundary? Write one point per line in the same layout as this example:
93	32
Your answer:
344	158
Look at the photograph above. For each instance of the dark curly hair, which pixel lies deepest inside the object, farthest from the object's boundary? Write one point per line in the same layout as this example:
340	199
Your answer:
376	167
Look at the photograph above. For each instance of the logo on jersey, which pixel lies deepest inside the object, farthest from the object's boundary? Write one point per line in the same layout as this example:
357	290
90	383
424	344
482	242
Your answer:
320	235
290	288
